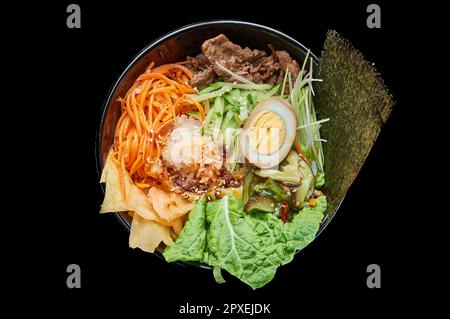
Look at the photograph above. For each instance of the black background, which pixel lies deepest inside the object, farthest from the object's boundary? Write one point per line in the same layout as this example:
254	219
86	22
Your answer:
77	68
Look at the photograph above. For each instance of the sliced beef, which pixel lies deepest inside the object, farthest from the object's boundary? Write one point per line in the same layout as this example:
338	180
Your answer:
203	72
222	50
199	63
203	78
287	62
254	65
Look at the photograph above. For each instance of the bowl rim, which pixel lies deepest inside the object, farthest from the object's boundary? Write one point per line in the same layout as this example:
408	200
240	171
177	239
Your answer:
153	44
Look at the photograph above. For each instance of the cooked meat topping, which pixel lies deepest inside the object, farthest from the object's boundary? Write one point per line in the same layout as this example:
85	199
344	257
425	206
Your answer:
203	72
254	65
189	182
288	63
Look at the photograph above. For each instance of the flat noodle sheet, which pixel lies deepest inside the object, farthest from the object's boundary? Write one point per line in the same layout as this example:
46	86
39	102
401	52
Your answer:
169	206
172	209
148	235
177	225
136	199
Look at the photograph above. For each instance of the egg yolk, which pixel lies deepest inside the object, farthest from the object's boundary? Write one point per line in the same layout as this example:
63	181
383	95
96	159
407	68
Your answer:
267	133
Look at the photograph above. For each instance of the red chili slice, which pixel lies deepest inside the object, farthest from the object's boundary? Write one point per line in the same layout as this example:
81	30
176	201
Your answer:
284	209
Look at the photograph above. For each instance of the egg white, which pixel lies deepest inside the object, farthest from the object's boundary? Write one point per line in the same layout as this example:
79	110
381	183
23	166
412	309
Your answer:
285	111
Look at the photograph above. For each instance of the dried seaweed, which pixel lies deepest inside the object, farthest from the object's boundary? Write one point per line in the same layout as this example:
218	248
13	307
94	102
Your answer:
357	102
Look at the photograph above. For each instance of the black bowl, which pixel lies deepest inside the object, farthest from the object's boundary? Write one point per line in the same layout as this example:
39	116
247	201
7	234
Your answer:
176	46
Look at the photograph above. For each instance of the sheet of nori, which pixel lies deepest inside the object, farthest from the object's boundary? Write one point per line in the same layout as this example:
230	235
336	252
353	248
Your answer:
357	102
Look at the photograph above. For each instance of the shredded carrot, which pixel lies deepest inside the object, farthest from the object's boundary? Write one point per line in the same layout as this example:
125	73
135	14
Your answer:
200	109
300	151
151	104
312	202
158	130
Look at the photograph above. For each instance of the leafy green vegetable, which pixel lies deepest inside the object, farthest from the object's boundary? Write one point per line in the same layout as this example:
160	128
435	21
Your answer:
248	246
217	273
190	244
305	224
319	180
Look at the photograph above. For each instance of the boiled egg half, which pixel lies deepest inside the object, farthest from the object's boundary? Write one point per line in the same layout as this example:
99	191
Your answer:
268	133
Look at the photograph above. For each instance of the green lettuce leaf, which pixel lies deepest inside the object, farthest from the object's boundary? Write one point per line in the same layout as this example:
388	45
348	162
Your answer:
304	226
190	244
248	246
319	181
